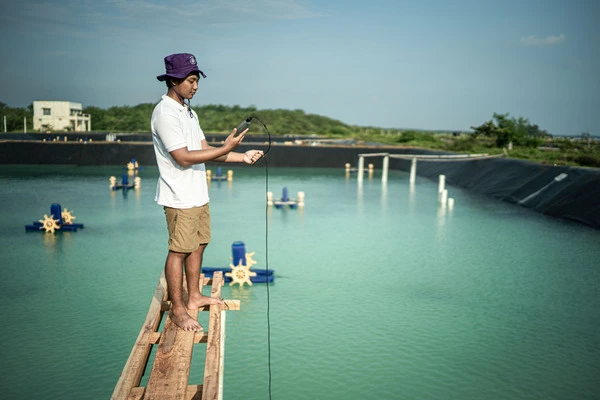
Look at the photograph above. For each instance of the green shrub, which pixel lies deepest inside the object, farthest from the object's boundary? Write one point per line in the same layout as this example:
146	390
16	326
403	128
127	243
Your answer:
588	160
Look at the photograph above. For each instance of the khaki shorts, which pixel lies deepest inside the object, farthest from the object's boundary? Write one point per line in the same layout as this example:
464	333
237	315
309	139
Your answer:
188	228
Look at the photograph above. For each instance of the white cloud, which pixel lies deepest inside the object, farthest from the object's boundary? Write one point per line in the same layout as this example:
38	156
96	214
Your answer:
547	41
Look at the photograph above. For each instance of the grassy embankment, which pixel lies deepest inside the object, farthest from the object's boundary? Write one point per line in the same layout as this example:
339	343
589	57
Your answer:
559	151
576	151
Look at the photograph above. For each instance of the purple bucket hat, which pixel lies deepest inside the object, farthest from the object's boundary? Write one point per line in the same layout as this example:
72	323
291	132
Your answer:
179	66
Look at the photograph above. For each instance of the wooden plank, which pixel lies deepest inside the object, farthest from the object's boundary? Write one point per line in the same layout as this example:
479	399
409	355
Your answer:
200	337
137	393
194	392
171	369
138	358
228	305
213	367
170	372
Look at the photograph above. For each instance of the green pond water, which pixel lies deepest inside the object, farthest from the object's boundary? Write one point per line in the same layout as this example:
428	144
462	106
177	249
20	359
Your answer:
379	292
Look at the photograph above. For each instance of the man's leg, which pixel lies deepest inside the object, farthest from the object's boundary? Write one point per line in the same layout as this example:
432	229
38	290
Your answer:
174	276
193	265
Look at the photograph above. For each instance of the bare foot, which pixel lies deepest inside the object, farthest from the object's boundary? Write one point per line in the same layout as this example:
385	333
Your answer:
183	320
198	300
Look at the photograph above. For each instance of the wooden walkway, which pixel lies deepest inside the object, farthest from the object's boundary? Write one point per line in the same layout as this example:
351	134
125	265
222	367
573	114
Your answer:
169	377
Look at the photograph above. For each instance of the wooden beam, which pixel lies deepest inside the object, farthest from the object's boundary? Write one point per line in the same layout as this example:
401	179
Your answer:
169	377
171	369
213	367
228	305
194	392
138	358
137	393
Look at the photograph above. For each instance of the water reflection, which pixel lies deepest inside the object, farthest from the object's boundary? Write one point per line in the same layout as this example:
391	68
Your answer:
57	243
444	214
359	193
384	196
441	216
411	197
242	293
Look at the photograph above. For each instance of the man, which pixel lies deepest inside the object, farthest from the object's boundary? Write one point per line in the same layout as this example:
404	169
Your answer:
181	150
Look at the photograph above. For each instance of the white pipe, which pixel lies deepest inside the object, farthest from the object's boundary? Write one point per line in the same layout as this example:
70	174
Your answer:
442	183
557	178
386	163
444	198
300	199
413	170
361	168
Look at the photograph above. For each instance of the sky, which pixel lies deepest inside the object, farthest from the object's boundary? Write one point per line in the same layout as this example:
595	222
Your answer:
433	65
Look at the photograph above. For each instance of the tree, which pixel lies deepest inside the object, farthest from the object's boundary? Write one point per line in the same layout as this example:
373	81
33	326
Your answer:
508	131
15	117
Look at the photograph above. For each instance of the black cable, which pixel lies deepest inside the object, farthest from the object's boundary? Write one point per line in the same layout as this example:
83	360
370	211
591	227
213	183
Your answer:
267	274
268	143
267	250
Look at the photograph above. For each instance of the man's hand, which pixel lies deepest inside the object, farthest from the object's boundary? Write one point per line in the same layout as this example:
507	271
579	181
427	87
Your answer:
233	141
252	156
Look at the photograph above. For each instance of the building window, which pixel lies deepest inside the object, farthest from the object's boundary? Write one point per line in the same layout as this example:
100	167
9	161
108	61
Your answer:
46	111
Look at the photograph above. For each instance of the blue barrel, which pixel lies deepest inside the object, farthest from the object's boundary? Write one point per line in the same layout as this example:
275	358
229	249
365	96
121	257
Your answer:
238	250
285	195
56	212
219	171
125	179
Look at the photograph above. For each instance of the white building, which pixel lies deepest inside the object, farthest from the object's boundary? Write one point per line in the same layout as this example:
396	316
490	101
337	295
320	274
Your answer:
60	116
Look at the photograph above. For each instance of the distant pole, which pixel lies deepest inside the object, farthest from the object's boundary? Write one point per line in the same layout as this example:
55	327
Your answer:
361	168
5	124
413	170
24	124
442	183
444	198
384	173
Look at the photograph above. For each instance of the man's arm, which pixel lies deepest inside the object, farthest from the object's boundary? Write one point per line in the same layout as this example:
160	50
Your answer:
186	158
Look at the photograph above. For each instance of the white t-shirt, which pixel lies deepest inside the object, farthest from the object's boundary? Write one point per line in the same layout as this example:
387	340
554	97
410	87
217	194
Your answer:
173	128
